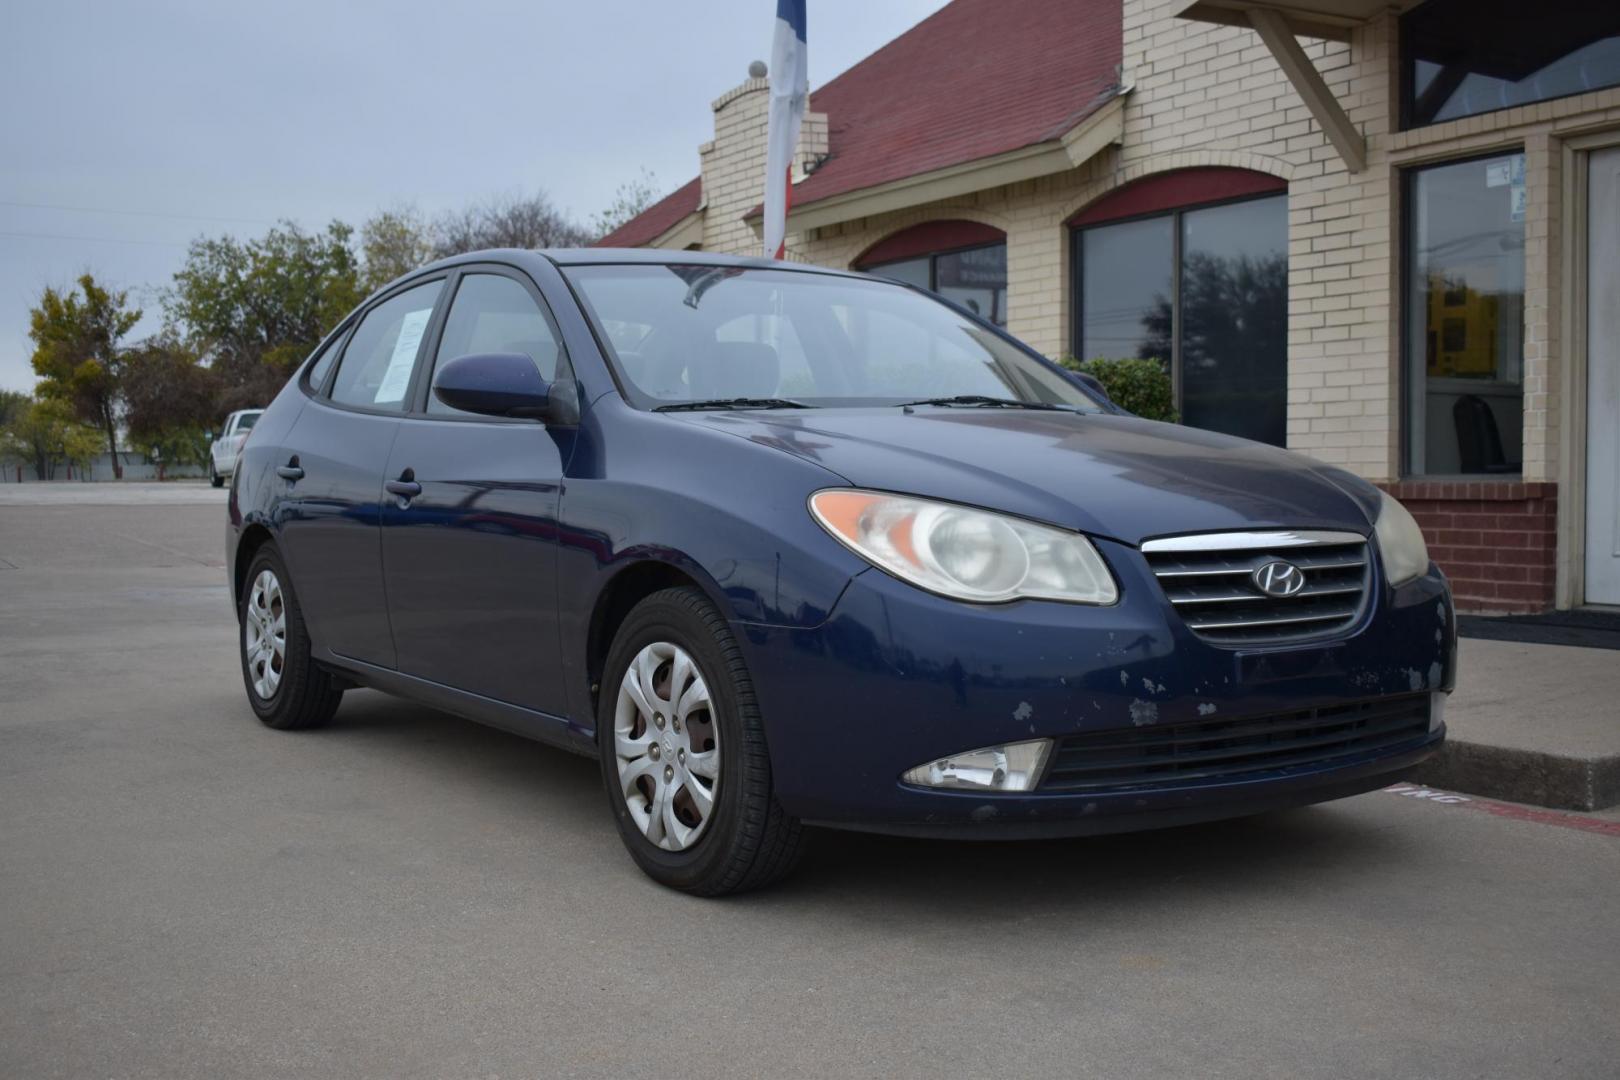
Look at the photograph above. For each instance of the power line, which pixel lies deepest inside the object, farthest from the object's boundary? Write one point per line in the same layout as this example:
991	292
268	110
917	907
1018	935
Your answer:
132	213
93	239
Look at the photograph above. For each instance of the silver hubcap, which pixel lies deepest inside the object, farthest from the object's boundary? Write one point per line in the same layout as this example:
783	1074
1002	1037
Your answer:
667	746
264	634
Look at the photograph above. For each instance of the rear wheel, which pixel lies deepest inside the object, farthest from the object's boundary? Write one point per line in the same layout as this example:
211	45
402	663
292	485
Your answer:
285	687
683	752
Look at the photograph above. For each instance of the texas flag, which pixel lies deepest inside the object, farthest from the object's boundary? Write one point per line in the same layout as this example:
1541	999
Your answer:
790	93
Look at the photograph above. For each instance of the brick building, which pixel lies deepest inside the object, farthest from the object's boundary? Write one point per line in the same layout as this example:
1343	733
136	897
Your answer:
1383	234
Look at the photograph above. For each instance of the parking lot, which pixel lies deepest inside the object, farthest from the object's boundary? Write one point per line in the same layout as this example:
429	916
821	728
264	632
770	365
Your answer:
186	894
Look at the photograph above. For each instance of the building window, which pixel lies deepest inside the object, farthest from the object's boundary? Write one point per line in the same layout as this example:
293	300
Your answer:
963	261
1463	57
1465	317
1204	289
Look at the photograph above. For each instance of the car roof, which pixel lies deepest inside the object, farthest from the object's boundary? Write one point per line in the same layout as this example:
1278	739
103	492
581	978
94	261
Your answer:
631	257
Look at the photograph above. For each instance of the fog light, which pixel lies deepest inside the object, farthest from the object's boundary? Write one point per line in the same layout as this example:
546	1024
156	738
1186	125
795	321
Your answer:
1013	767
1437	710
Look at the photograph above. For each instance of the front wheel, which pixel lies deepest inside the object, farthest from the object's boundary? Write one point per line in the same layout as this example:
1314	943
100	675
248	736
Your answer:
683	752
214	479
285	687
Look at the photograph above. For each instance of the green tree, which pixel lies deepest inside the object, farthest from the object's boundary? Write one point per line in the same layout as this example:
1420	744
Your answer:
13	403
171	400
252	310
629	199
46	433
77	353
394	242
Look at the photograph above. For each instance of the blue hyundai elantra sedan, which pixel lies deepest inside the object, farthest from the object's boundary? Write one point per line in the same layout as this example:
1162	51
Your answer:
786	546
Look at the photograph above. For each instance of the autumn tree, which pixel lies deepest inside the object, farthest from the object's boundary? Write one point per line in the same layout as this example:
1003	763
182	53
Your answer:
78	355
47	433
253	309
392	243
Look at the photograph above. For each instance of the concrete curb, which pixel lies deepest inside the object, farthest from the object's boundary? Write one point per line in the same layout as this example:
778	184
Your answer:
1525	776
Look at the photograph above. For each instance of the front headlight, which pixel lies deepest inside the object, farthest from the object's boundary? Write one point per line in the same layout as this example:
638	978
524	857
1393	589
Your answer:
1400	542
963	553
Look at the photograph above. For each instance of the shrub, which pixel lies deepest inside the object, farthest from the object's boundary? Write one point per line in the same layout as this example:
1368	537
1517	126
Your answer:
1139	385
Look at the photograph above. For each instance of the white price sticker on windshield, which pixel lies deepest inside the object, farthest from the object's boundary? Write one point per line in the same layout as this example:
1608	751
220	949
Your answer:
398	375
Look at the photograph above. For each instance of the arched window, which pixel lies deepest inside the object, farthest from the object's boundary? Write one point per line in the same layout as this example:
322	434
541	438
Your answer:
1191	268
963	261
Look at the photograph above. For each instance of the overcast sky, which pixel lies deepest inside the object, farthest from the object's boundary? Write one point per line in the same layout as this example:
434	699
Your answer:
126	129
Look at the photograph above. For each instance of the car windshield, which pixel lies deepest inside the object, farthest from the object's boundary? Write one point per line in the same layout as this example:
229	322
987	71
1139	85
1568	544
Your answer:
768	338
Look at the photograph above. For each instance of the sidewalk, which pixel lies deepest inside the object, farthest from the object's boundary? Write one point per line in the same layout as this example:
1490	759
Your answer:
1533	723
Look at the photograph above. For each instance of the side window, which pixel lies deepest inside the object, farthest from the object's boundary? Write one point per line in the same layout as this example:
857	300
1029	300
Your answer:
494	314
376	368
323	364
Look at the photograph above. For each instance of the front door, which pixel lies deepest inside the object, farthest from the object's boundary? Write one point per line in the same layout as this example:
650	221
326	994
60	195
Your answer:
1603	378
470	556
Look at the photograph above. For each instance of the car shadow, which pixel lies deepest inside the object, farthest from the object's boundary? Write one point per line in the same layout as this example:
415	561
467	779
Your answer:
1308	848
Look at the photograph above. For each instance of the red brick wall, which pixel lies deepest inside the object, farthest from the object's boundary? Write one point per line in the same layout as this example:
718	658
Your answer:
1496	540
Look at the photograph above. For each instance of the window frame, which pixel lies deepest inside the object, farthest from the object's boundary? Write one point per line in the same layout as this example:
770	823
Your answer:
337	340
1408	206
422	377
1077	304
429	335
933	257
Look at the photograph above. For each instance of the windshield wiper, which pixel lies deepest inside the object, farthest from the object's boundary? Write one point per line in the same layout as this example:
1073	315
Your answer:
734	403
985	402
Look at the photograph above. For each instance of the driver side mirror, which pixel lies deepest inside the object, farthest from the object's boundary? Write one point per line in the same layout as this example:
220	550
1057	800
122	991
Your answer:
1092	383
208	435
503	384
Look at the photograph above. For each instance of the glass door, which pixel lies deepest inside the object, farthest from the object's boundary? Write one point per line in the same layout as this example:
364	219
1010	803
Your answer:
1603	377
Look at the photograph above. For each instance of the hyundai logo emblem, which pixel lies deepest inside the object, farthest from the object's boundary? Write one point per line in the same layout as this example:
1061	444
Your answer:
1278	578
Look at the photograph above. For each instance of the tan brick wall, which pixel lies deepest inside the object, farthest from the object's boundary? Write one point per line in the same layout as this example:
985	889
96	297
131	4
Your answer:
1213	95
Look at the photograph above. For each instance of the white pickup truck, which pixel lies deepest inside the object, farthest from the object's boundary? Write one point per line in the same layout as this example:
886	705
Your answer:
223	451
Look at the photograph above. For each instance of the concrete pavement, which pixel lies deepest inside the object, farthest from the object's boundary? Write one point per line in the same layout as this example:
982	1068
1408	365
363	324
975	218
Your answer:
1535	723
186	894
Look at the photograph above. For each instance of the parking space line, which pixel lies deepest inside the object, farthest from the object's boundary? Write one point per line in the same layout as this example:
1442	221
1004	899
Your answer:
1561	818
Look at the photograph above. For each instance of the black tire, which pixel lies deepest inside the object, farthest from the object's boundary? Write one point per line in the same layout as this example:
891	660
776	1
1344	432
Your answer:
750	841
214	478
305	696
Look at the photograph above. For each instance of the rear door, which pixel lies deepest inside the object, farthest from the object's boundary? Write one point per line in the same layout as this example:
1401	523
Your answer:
470	548
335	458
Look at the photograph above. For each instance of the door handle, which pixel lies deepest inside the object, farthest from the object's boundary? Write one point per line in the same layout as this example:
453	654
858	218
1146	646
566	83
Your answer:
405	487
291	471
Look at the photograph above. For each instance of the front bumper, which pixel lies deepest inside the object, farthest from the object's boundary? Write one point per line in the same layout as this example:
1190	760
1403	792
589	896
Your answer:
896	677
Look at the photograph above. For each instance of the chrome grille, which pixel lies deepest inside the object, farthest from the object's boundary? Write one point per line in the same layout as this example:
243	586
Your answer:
1210	578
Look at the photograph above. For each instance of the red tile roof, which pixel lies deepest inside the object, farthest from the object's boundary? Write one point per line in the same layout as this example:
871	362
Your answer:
658	218
975	79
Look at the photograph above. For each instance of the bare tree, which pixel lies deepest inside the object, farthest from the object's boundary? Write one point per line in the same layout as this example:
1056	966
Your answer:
629	199
506	221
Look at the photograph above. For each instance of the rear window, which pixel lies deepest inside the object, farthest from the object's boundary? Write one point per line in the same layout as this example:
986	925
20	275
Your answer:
247	420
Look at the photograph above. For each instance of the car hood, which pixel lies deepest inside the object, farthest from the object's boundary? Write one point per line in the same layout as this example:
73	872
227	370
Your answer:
1113	476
